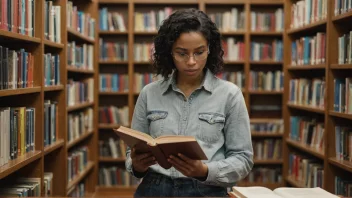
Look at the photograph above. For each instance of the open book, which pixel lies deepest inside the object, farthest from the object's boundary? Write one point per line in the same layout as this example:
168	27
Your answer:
163	146
282	192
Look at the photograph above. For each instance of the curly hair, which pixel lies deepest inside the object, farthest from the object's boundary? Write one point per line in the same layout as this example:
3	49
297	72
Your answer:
181	21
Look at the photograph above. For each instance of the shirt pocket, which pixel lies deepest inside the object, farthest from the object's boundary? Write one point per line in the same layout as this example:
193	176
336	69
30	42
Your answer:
156	122
210	127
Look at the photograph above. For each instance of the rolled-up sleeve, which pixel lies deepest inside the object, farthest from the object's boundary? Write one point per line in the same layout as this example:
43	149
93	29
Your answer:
238	149
139	123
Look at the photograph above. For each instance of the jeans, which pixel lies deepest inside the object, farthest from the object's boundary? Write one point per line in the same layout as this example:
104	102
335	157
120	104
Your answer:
158	185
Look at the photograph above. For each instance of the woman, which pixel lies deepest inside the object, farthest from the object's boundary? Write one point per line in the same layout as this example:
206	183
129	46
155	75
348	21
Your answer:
191	101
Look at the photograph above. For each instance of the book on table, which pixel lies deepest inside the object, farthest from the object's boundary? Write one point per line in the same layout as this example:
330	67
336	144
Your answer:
161	147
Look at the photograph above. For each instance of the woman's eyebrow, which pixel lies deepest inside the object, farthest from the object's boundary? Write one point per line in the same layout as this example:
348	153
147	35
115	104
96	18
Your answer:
184	49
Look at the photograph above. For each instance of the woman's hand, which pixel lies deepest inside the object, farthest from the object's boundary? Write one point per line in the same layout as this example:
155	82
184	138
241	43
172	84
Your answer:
141	162
189	167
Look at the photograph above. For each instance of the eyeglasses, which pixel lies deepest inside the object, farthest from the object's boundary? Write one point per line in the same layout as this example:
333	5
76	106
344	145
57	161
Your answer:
183	57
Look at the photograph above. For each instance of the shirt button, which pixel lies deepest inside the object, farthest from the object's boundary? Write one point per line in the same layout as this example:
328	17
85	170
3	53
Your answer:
185	118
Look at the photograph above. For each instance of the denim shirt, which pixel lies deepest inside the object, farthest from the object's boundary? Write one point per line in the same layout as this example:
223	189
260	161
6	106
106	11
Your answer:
215	114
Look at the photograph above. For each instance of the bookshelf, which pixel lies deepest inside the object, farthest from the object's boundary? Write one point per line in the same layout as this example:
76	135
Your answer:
48	95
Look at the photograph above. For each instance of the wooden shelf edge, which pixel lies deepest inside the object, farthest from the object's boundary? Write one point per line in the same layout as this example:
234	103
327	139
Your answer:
18	36
229	62
58	144
108	32
79	106
306	108
264	120
230	33
266	33
294	182
265	62
268	161
253	92
53	44
307	27
113	93
343	16
266	134
346	165
80	176
78	140
20	91
54	88
113	1
184	2
305	148
108	126
341	66
18	163
79	35
112	62
111	159
76	70
340	115
306	67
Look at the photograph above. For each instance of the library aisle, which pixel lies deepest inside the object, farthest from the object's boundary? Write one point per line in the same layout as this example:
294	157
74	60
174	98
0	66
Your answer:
71	71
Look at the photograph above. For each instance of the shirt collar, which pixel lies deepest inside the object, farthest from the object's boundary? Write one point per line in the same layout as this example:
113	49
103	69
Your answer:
207	84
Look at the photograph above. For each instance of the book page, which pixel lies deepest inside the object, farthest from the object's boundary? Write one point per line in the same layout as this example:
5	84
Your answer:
303	193
132	137
255	192
174	139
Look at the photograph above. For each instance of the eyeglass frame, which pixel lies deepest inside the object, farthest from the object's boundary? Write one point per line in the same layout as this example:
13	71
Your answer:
208	52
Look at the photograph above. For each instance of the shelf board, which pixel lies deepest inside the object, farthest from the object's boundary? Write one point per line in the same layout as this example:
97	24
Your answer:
295	183
108	126
230	62
226	2
346	165
341	115
113	93
306	108
58	144
307	67
145	33
78	140
233	33
112	62
53	44
19	163
271	2
110	159
54	88
266	92
271	186
266	33
112	1
264	120
115	32
19	37
268	161
78	35
341	66
305	148
307	27
168	2
79	106
82	71
344	16
266	134
266	62
141	62
80	176
20	91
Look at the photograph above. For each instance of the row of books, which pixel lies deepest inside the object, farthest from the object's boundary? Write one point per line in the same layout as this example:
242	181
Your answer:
310	92
80	56
16	68
267	52
342	6
343	187
79	123
267	149
48	183
141	80
114	115
17	132
232	20
79	21
113	51
264	175
266	21
78	190
343	95
276	126
235	77
343	143
52	21
51	122
113	82
142	51
111	21
77	161
113	148
51	69
266	81
306	170
345	48
305	12
233	50
18	16
309	50
150	21
115	176
307	131
80	91
22	187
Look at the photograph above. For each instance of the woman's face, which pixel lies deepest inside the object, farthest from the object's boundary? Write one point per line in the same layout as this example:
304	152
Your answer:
190	52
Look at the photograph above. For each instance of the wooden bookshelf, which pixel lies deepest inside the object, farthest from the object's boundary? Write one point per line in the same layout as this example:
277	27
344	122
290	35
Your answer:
112	33
306	108
295	183
344	66
266	134
306	148
78	140
80	71
267	161
58	144
77	35
53	44
265	92
341	115
81	175
108	126
21	91
341	17
54	88
346	165
306	28
268	33
116	93
306	67
19	37
80	106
